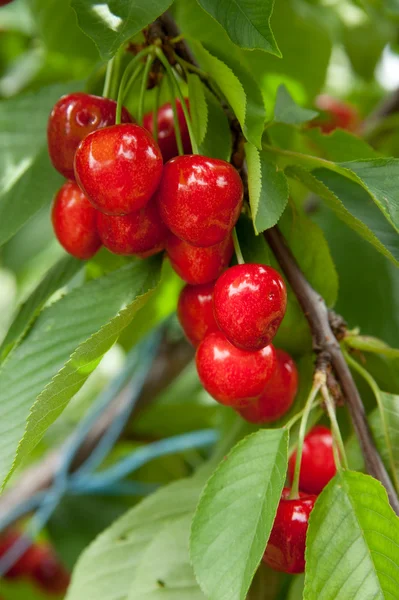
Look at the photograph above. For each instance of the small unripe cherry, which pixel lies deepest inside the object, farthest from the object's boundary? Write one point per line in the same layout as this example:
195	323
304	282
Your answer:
142	232
249	302
317	462
166	129
119	168
195	312
285	549
278	395
200	198
199	265
74	222
73	117
232	376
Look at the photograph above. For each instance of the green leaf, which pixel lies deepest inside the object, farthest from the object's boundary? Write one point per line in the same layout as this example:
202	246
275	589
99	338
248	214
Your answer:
62	349
268	189
352	549
164	572
112	22
106	569
247	22
56	278
353	205
235	514
340	145
217	142
288	111
198	107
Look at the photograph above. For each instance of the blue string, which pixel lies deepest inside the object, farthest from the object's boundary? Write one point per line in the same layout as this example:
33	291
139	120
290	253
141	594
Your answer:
22	509
119	488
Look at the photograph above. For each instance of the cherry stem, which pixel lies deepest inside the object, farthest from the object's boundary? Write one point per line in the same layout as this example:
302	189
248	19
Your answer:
237	249
176	122
338	444
377	393
131	72
157	94
317	383
147	68
298	415
108	78
170	72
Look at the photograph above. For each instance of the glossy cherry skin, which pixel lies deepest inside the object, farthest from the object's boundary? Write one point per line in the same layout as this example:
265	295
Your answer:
166	130
142	232
119	168
74	222
285	550
47	571
232	376
337	114
317	463
195	312
200	198
71	120
278	395
249	303
199	265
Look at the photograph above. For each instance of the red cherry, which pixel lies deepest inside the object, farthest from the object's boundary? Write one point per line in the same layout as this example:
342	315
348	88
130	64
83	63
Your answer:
72	119
249	303
119	168
233	376
337	114
285	550
47	571
195	312
317	463
141	232
200	198
4	2
74	222
199	265
166	130
21	567
278	395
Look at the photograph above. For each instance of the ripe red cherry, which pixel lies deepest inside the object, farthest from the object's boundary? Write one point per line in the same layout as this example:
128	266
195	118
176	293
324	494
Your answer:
230	375
74	222
142	232
119	168
336	114
278	395
4	2
21	567
249	303
200	198
317	463
195	312
166	130
47	571
285	550
72	119
199	265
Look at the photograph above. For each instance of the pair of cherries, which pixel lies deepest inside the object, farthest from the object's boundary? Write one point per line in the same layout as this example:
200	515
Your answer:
285	550
39	563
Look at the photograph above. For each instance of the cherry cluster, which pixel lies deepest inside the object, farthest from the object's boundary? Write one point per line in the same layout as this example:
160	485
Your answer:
39	564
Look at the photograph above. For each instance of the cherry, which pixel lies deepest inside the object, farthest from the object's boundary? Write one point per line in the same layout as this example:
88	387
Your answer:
74	222
72	119
249	303
200	198
199	265
141	232
278	395
21	567
119	168
47	571
233	376
317	463
337	114
285	550
195	312
166	129
4	2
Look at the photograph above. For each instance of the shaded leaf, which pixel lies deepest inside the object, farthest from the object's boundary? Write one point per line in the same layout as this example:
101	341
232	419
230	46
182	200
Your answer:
218	141
340	145
198	107
288	111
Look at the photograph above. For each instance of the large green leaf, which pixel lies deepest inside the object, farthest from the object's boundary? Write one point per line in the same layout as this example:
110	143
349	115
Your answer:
113	22
288	111
247	22
198	107
107	568
62	349
268	189
218	140
340	145
352	550
235	514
